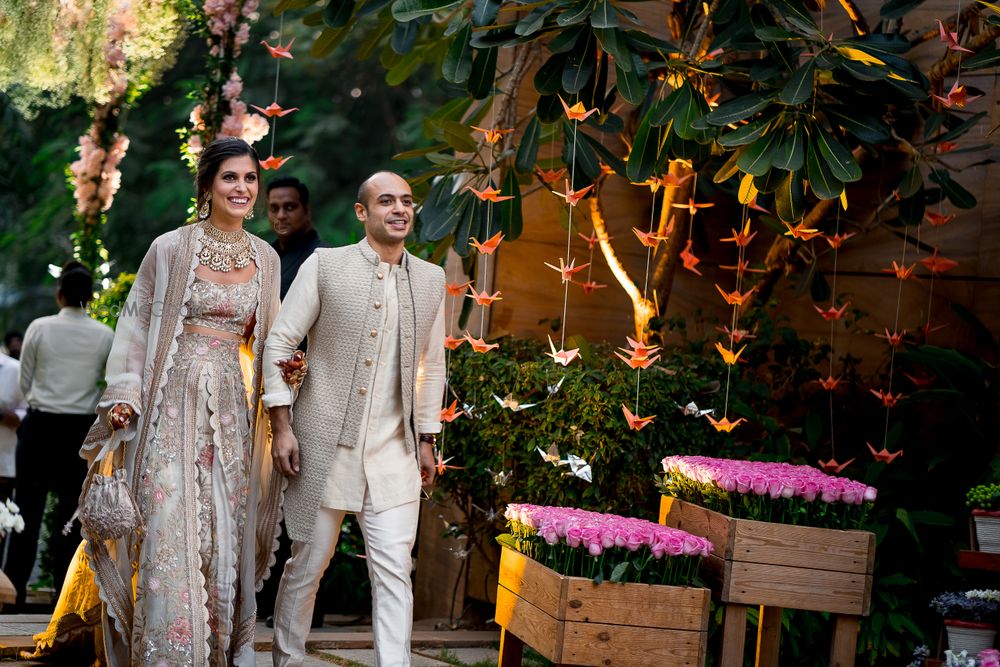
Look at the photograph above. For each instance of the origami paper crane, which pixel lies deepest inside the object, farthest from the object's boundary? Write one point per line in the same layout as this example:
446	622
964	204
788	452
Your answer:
742	238
578	468
573	197
639	354
551	456
453	343
736	335
451	413
688	259
757	207
671	181
832	313
492	136
735	298
511	403
491	514
830	383
553	389
741	268
692	410
489	194
279	51
500	478
441	466
273	162
471	411
921	381
887	398
649	239
928	329
479	345
567	270
724	425
837	240
946	147
482	298
957	97
951	39
551	176
594	239
564	357
729	356
589	286
902	272
831	467
799	231
895	338
576	112
938	219
883	455
937	264
606	169
489	246
636	423
457	289
691	207
459	554
273	109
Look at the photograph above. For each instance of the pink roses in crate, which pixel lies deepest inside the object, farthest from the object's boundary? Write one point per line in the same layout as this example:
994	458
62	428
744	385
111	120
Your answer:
768	491
576	542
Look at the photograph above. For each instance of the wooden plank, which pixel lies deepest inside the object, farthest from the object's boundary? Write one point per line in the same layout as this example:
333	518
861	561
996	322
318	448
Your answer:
529	623
716	528
844	646
734	635
768	637
671	607
601	644
511	650
533	581
797	588
803	546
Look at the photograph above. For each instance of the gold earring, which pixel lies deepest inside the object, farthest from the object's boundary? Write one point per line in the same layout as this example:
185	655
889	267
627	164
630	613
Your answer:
206	208
249	215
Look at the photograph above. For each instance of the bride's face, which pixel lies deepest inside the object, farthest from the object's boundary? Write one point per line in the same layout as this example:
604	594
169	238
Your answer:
234	188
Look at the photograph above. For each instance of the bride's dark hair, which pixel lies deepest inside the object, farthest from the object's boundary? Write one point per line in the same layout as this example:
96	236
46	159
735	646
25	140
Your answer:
215	154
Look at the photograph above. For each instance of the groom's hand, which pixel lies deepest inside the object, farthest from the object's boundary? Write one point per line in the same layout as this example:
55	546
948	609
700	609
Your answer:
427	467
284	446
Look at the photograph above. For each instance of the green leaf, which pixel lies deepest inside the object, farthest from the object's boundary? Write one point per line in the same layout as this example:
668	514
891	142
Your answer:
790	154
958	195
739	109
527	152
960	129
284	5
458	136
586	160
599	579
418	152
903	517
671	107
604	15
579	66
613	42
369	7
404	36
531	23
327	41
744	134
548	78
729	169
642	158
565	40
442	211
790	198
841	162
895	9
796	15
484	67
618	572
756	158
605	154
484	12
800	85
863	126
338	13
575	13
632	88
407	10
509	210
457	63
374	37
772	33
911	182
821	179
911	209
931	518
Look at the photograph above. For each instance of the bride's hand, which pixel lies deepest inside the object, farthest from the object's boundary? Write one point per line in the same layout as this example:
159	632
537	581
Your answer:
119	416
293	370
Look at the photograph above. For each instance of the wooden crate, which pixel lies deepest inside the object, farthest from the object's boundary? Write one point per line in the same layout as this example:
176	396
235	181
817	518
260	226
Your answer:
572	620
779	565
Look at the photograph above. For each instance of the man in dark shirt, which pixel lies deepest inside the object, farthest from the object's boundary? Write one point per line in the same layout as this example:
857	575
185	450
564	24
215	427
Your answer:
291	221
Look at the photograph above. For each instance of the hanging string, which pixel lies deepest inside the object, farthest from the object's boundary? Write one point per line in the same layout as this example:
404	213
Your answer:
833	304
569	240
895	328
277	77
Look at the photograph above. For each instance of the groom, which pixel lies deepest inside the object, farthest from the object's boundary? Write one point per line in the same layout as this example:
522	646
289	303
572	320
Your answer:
362	437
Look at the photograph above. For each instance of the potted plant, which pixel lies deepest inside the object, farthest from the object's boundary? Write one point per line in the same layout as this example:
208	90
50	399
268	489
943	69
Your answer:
985	503
970	617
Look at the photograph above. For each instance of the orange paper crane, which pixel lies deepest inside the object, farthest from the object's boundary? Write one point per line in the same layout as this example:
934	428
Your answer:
279	51
832	313
946	147
649	239
593	239
729	356
551	176
451	413
887	397
273	109
735	298
576	112
639	354
442	464
482	298
671	181
938	219
830	383
902	272
492	136
837	240
883	456
831	467
479	345
273	162
691	207
489	194
724	425
457	289
800	232
743	238
489	246
895	338
929	328
636	423
453	343
920	381
564	357
589	286
741	268
736	335
573	197
937	264
688	259
957	97
950	38
567	270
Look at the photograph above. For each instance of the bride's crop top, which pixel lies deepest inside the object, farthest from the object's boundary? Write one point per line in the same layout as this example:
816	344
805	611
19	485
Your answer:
221	306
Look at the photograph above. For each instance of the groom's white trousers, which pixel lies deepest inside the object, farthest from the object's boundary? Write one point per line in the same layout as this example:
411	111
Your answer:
389	538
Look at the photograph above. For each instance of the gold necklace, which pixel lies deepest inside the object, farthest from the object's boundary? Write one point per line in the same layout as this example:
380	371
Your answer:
222	251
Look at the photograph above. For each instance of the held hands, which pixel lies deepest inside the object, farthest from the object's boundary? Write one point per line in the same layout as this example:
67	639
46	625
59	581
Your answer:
285	452
294	369
119	416
427	467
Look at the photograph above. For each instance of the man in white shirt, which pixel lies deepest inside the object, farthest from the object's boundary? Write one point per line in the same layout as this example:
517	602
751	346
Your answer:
362	437
12	411
62	361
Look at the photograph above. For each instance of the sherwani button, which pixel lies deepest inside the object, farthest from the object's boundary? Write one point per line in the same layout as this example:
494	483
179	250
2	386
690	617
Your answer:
363	391
378	304
380	275
374	332
368	361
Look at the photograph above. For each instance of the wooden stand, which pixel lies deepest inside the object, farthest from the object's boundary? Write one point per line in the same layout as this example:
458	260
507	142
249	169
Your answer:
573	621
778	566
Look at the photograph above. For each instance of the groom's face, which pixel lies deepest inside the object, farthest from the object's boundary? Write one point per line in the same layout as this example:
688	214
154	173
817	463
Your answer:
387	211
